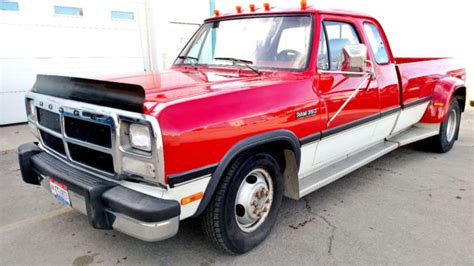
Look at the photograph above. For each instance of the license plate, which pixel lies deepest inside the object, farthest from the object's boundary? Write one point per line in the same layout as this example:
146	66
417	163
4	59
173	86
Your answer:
60	192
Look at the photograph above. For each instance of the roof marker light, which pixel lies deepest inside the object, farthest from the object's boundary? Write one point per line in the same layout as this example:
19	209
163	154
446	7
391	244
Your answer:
252	8
303	4
266	6
238	9
216	12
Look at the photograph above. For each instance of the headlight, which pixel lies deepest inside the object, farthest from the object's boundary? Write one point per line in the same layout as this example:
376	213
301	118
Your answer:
140	137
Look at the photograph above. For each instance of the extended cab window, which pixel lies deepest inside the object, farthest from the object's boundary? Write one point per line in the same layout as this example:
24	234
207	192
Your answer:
339	34
376	43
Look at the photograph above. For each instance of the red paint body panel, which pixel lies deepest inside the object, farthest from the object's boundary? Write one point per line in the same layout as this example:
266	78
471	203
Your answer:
442	94
204	111
200	131
434	77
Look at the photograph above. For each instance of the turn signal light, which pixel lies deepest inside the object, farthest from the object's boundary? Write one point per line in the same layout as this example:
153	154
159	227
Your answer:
238	9
192	198
252	8
216	12
303	4
266	6
438	104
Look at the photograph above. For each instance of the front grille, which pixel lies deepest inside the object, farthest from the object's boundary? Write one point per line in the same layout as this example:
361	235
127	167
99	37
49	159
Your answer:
91	132
53	142
83	140
49	120
91	138
92	158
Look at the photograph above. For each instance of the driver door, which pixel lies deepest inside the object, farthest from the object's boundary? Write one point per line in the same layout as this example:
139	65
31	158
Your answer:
353	127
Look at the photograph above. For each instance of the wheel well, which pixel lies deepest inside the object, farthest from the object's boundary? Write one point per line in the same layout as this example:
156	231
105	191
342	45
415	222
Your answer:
283	144
286	158
460	96
277	149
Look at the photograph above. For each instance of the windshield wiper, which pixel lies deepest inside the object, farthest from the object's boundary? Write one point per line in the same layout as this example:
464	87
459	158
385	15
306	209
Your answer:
246	63
189	57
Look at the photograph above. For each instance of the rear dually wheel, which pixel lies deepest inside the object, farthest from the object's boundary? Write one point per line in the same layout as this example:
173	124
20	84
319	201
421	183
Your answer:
448	132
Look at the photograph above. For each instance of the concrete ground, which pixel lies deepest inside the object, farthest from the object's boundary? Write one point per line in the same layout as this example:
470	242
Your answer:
410	207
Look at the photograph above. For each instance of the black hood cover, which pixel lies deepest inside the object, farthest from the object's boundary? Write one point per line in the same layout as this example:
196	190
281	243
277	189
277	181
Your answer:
118	95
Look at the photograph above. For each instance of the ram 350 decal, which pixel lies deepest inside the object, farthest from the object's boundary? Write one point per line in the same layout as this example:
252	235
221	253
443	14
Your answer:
306	113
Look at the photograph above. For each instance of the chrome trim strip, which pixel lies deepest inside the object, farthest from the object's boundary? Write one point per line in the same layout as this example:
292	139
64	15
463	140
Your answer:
49	131
87	145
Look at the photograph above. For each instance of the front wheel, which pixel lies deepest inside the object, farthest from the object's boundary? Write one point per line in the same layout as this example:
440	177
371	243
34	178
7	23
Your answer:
449	130
246	203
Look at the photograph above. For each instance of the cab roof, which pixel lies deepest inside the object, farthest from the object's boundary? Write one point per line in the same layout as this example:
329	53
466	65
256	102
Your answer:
278	11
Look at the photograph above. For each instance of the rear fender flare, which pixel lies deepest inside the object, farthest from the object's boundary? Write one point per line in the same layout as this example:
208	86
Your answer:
442	95
238	148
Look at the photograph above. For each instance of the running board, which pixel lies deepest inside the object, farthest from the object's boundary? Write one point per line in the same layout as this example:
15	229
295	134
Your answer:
413	134
335	171
352	162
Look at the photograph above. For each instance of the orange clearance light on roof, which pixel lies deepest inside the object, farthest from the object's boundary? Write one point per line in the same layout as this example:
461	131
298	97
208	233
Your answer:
266	6
252	7
192	198
303	4
238	9
216	12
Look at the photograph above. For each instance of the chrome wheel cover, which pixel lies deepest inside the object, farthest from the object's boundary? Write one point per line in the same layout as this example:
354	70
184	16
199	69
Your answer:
254	200
451	126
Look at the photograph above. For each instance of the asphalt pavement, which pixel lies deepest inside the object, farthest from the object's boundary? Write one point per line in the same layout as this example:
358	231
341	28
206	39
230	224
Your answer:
409	207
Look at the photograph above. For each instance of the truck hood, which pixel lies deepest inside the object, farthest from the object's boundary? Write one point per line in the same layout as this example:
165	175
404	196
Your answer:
174	84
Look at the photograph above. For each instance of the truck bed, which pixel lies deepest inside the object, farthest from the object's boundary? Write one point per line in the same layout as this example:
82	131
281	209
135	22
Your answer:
418	76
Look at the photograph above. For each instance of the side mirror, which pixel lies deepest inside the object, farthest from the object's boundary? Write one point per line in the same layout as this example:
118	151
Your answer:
355	58
354	62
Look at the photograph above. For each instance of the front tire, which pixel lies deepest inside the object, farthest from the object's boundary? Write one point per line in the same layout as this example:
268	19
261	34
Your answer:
246	203
449	130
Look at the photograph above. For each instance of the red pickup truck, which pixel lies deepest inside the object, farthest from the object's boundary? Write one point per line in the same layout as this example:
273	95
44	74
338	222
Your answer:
260	104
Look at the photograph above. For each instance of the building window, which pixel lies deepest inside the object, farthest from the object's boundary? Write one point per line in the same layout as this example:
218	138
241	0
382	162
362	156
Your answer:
68	11
122	15
9	6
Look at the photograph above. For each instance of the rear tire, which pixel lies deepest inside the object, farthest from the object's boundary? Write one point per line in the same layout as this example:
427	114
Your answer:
449	130
245	205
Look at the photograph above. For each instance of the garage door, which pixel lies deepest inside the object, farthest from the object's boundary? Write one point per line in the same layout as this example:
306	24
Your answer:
71	38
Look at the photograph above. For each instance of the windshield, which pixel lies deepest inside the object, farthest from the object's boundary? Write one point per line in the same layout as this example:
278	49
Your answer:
276	42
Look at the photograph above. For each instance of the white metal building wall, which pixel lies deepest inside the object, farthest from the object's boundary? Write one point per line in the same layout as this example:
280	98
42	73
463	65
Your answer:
35	40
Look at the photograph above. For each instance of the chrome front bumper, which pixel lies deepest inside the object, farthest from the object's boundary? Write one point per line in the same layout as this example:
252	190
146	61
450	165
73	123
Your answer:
145	231
107	205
